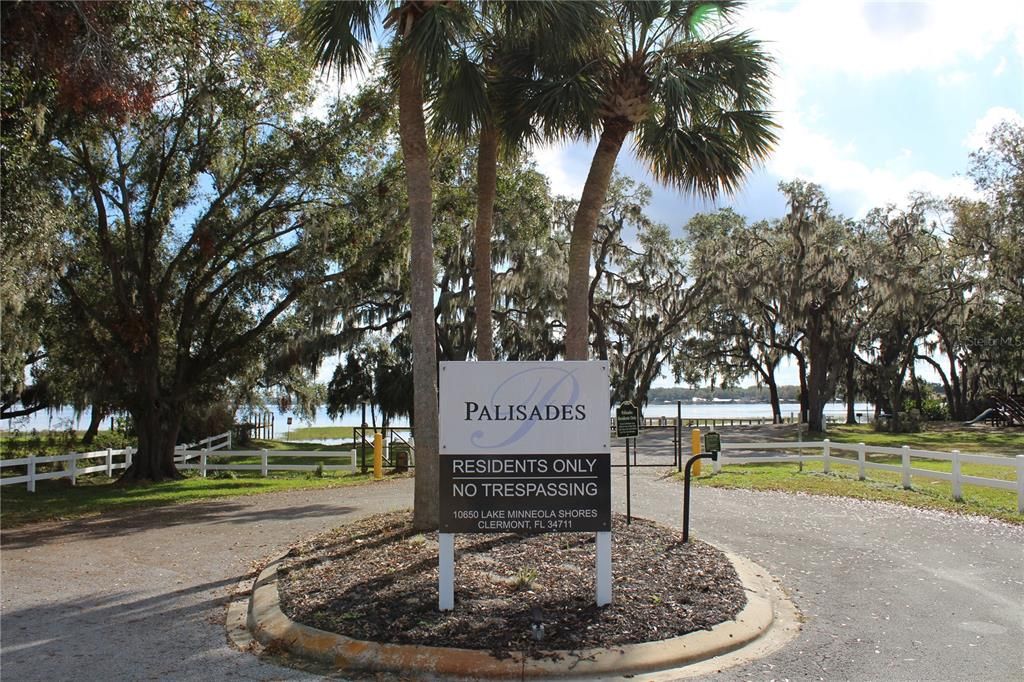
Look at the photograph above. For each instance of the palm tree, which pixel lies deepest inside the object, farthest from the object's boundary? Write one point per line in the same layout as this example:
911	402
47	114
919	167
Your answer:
423	33
691	92
472	103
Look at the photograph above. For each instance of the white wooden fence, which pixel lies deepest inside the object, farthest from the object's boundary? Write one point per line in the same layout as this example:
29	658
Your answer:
191	456
107	461
904	468
265	466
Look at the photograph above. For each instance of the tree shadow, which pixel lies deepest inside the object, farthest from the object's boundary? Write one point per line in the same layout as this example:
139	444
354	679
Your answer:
120	523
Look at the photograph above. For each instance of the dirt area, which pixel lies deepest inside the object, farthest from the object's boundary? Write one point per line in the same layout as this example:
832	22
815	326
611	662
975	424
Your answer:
377	580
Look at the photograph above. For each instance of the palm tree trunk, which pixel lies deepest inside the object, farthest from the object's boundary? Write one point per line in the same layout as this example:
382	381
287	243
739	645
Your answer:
591	202
486	189
413	135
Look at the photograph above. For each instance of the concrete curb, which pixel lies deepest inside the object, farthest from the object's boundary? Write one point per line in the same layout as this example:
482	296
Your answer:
271	627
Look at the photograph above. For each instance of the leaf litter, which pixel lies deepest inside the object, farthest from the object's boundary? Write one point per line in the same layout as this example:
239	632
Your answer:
376	580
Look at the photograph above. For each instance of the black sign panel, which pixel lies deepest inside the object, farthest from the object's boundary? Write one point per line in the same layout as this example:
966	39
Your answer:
525	493
627	420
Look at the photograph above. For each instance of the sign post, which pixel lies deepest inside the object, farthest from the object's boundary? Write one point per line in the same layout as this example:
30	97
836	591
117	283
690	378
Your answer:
627	420
524	448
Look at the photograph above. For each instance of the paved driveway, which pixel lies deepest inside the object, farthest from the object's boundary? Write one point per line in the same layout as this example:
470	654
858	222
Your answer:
888	592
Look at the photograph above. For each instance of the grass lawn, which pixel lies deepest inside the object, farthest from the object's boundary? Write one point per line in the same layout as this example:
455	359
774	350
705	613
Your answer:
322	432
93	495
881	486
944	437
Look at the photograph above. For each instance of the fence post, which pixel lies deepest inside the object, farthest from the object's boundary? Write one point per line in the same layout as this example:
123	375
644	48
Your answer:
1020	483
202	463
826	451
229	439
128	456
860	461
263	463
957	495
31	473
110	462
73	467
906	467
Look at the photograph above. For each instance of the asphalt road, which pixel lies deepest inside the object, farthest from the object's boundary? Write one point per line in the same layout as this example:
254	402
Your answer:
888	593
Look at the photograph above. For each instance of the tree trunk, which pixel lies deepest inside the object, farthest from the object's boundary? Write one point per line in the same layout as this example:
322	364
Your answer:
801	363
595	190
413	135
486	189
817	378
157	422
95	418
773	393
851	390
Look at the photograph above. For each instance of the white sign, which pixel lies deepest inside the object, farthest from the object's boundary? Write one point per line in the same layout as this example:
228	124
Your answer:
521	408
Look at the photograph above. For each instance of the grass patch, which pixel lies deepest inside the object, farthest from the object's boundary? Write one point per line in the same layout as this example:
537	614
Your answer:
322	432
881	486
942	438
58	499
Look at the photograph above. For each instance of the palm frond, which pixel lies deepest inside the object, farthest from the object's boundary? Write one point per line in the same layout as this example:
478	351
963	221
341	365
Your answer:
460	104
338	33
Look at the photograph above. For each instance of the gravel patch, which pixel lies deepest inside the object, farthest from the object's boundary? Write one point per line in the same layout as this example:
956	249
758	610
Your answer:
377	581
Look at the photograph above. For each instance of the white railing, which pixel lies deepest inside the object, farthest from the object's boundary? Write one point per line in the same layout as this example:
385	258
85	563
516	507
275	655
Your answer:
904	468
112	460
72	469
221	441
265	466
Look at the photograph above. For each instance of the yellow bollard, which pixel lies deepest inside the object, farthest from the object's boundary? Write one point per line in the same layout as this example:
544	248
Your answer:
378	457
695	447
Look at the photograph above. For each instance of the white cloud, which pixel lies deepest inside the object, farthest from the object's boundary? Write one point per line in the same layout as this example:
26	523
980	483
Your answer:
555	161
1000	67
869	40
978	137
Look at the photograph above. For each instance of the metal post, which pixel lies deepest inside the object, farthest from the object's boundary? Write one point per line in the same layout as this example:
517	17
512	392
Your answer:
686	491
445	571
1020	483
604	568
629	516
906	467
362	442
695	448
378	457
957	495
679	434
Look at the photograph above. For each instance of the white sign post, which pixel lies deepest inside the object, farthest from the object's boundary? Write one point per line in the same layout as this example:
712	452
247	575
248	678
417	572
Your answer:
524	447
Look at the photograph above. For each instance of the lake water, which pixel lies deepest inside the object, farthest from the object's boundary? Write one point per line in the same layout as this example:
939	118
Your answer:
63	419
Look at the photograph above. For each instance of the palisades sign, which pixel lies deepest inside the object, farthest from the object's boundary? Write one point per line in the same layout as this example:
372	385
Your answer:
524	447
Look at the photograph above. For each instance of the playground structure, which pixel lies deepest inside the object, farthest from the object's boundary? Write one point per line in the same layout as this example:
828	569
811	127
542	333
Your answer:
1008	411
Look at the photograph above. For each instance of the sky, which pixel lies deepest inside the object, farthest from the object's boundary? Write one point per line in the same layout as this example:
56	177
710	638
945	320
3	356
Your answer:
875	100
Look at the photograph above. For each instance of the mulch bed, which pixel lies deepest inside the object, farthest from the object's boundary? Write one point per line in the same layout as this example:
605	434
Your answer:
376	580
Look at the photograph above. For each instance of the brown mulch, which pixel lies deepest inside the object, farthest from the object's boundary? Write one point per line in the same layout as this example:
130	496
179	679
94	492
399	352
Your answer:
377	580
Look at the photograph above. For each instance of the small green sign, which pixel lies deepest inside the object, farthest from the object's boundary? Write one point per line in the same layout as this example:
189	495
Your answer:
627	420
712	442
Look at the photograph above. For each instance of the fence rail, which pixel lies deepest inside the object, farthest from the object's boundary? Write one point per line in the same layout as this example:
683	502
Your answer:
905	468
112	460
266	466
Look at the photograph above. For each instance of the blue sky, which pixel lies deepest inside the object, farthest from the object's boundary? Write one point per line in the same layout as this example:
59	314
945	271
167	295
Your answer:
875	100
